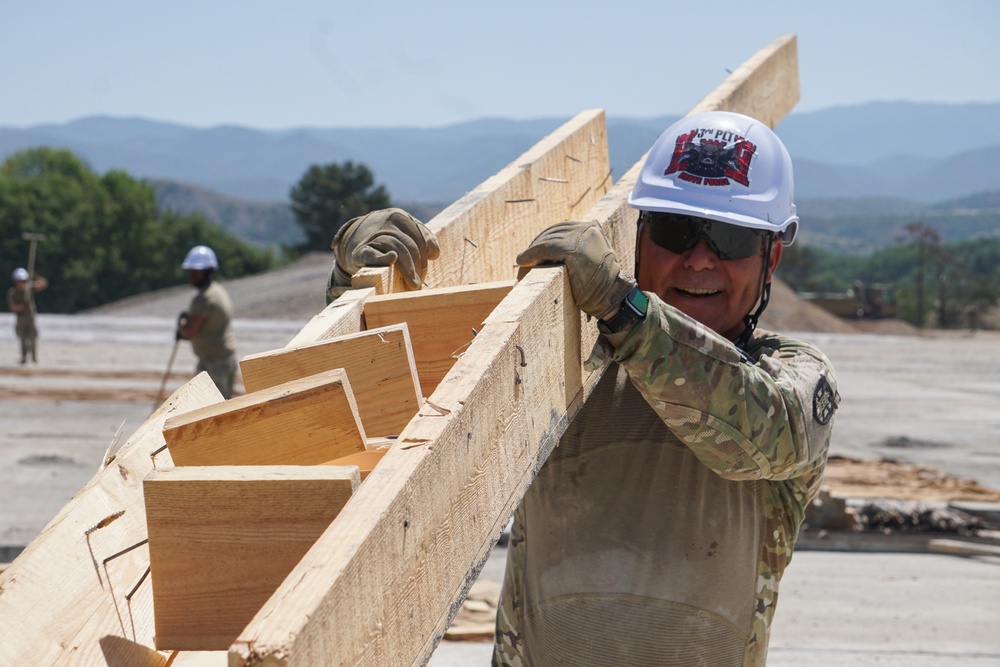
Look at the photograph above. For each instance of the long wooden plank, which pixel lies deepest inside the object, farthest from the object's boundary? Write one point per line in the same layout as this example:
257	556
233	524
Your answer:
441	322
765	86
445	493
222	538
379	364
302	422
63	600
559	178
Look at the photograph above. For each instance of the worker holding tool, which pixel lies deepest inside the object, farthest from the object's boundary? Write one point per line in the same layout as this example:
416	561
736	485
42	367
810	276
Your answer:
21	302
207	323
659	528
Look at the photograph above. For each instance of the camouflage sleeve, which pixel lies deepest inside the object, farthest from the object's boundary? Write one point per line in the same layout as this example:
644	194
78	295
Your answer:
765	420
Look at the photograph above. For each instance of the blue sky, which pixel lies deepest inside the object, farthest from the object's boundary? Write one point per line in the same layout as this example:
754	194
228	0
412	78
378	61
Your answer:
274	65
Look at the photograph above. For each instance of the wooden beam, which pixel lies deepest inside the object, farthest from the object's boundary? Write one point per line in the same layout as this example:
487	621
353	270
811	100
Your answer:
302	422
385	280
222	538
559	178
442	322
63	599
766	86
443	495
379	364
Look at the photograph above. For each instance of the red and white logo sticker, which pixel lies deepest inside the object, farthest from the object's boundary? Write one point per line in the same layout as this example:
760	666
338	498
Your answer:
712	157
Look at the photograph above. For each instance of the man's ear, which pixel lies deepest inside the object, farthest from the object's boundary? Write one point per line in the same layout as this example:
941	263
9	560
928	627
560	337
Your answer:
775	257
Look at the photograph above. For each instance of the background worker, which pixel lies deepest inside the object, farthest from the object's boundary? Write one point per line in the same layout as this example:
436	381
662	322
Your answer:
21	302
658	530
207	323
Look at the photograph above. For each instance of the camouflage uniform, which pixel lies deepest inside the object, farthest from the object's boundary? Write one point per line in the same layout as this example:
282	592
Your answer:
24	325
214	344
658	530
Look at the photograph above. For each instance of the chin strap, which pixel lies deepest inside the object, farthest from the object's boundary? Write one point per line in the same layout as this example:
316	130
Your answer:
750	321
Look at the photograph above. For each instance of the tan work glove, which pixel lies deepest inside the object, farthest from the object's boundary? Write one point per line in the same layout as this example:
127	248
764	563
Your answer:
386	237
595	277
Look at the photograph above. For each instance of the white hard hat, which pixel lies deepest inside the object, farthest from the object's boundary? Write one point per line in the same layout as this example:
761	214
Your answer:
200	257
20	274
722	166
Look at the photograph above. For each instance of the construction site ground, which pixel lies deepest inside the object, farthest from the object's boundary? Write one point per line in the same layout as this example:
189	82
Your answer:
919	420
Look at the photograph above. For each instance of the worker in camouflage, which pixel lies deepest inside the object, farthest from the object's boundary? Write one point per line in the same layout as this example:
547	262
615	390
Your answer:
21	302
658	530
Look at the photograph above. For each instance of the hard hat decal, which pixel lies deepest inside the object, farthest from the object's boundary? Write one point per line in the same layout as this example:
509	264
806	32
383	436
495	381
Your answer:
701	166
711	157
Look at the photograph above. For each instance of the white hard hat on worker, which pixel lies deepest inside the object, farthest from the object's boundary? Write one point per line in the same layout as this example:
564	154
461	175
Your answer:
716	206
200	258
720	166
20	275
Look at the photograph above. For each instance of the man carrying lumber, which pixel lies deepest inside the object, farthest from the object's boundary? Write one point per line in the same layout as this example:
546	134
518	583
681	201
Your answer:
21	302
657	531
207	323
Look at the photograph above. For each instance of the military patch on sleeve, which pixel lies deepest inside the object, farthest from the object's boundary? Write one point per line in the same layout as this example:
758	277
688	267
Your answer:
824	403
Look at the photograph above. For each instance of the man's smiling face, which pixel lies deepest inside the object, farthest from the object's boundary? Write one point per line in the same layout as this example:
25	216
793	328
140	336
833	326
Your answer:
718	293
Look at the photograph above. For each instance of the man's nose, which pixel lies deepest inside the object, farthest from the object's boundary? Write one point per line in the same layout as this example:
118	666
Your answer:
700	256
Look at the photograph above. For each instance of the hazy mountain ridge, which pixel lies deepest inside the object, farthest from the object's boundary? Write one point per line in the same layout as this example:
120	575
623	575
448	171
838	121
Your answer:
918	150
888	158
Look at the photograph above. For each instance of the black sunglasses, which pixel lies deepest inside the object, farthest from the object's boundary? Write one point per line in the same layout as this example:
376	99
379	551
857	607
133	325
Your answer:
679	233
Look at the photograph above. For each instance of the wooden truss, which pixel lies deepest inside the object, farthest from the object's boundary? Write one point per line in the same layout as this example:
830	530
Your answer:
338	513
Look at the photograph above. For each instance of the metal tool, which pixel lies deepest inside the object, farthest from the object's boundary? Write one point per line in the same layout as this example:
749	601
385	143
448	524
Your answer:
33	239
170	365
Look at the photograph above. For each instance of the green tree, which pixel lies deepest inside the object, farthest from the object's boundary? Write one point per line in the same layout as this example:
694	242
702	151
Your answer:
328	196
105	238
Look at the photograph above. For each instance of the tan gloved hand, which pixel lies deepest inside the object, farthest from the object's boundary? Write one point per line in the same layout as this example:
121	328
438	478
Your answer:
595	277
386	237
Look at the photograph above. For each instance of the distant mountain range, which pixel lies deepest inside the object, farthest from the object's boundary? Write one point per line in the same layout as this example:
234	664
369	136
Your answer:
920	153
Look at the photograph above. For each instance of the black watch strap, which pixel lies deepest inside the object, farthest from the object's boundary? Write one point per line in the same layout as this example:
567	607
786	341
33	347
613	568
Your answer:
633	309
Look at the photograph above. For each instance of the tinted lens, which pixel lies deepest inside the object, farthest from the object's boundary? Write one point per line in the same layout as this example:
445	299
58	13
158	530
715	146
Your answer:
678	233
